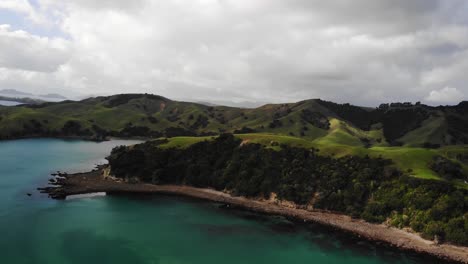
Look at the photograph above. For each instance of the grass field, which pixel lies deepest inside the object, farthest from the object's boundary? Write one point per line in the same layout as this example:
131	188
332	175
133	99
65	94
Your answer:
415	161
183	142
341	133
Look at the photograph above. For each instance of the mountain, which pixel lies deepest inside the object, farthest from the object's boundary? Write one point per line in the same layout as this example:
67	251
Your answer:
13	92
243	104
129	115
34	97
21	100
53	96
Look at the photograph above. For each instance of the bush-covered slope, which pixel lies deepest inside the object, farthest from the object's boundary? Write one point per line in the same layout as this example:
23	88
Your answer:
416	162
369	188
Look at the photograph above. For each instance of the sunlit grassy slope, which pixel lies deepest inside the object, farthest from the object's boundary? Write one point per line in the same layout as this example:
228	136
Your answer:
341	133
415	161
183	142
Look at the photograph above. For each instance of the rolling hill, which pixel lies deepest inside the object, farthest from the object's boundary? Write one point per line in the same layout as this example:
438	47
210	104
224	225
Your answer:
411	135
145	115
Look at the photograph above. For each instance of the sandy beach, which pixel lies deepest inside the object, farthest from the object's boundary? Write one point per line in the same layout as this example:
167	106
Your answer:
95	182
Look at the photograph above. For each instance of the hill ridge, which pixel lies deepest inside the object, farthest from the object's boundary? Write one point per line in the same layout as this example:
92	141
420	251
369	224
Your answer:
148	115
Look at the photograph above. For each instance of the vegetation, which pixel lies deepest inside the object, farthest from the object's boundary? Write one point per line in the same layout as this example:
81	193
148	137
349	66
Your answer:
152	116
415	162
334	129
401	162
361	186
408	124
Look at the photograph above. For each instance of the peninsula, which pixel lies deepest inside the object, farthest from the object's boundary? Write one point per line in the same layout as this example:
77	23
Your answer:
368	195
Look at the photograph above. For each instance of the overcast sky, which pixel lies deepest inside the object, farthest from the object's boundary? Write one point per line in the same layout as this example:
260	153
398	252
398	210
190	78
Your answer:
359	51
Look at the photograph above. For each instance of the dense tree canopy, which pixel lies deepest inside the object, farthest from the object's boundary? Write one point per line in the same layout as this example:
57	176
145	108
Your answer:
370	188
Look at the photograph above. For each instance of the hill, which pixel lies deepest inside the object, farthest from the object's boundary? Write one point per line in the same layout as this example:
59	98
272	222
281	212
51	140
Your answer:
53	96
145	115
364	187
406	164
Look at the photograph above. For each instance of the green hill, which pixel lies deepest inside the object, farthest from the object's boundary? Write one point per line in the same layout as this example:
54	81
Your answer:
411	135
404	163
290	169
145	115
414	161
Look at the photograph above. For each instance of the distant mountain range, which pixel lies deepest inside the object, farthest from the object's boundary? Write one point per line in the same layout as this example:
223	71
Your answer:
53	96
243	104
21	100
12	93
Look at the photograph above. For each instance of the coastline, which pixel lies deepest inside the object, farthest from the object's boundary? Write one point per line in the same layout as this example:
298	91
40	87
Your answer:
95	182
83	138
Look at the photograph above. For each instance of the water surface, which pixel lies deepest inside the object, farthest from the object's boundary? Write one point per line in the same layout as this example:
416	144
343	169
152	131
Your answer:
147	229
9	103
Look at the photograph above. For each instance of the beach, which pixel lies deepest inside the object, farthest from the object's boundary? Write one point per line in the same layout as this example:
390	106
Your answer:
97	181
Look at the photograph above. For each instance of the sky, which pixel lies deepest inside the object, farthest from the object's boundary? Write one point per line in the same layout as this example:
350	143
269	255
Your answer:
363	52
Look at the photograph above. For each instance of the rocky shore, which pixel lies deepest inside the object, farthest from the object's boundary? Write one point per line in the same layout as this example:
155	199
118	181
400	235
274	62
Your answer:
97	180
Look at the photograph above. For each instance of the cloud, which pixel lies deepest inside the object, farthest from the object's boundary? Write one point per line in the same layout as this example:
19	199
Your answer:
363	52
24	51
445	95
23	6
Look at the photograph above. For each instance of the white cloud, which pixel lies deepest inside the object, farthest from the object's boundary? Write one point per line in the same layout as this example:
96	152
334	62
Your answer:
24	51
23	6
445	95
363	52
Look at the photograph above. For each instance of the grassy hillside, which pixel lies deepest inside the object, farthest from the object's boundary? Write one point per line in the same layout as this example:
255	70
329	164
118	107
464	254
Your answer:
411	135
414	161
324	123
147	116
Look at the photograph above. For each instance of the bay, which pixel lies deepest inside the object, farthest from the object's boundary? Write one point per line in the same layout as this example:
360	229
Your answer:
148	229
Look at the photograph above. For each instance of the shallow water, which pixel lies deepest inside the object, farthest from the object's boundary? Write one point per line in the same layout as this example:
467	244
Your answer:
147	229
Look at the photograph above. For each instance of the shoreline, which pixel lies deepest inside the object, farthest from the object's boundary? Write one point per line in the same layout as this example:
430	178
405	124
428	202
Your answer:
95	182
78	138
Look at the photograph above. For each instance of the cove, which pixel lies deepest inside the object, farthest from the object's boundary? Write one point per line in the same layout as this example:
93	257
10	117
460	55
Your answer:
148	229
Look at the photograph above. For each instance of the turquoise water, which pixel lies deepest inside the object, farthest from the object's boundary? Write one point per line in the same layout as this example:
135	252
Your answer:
147	229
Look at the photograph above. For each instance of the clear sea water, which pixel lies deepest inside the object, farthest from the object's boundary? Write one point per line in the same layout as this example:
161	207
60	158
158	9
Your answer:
148	229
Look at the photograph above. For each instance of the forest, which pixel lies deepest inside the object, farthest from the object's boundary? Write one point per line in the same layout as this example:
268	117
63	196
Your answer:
363	187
